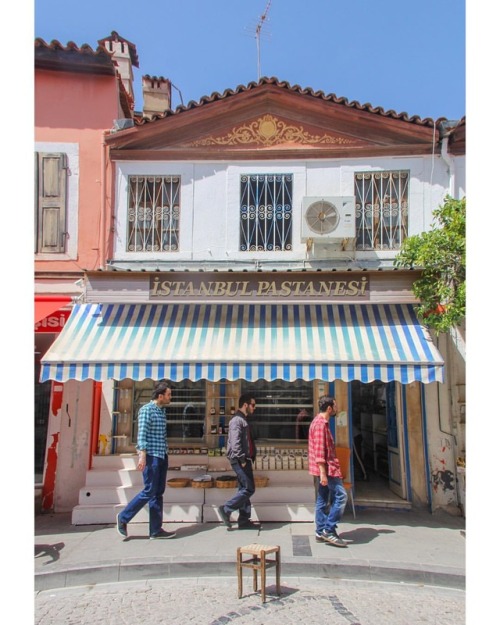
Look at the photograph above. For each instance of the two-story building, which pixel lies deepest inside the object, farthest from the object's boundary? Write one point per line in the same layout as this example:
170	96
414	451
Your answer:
79	95
253	238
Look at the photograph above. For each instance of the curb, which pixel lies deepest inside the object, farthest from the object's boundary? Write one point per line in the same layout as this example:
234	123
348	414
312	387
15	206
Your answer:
170	567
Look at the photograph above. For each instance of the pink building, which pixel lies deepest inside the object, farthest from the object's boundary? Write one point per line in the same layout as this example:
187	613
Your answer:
81	95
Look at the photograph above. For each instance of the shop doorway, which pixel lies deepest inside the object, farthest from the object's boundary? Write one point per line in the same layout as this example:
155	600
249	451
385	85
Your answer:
378	451
42	392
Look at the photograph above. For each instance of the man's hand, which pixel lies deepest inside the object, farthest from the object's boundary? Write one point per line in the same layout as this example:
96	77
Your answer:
323	476
141	464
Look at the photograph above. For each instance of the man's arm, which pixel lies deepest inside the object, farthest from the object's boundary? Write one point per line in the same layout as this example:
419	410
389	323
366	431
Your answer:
323	475
319	450
143	424
235	440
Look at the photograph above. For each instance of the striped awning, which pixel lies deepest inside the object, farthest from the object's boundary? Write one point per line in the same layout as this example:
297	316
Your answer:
259	341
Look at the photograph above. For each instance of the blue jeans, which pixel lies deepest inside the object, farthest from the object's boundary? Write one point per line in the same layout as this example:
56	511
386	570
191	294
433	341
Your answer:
155	479
334	495
246	488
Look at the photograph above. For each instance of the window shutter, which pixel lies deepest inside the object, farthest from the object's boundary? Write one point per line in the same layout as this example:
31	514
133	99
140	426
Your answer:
51	210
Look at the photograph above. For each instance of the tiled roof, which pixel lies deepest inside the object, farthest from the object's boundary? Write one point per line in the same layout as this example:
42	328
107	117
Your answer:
307	91
250	267
458	138
71	57
156	78
54	55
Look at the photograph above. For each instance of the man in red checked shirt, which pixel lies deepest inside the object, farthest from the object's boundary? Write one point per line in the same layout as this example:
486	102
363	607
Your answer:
325	467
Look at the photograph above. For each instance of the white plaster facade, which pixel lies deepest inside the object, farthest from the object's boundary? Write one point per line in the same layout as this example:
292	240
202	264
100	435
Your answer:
212	235
209	238
210	217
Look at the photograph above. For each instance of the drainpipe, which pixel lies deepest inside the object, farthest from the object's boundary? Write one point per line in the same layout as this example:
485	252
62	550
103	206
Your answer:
95	421
102	220
450	164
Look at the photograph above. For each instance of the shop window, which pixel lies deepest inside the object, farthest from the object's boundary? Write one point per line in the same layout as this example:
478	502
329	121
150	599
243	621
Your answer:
381	209
266	212
284	410
153	213
185	413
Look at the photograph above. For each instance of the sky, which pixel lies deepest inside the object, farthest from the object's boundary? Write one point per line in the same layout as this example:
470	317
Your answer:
402	55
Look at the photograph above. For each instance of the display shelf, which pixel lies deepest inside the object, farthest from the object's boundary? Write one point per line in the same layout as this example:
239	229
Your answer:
281	410
222	403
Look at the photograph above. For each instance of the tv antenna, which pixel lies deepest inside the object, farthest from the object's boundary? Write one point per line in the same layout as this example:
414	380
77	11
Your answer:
258	31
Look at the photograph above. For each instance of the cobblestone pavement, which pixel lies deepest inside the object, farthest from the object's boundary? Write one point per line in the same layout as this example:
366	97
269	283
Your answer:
213	601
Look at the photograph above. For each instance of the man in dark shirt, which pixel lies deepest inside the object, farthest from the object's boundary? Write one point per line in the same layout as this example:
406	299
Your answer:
240	457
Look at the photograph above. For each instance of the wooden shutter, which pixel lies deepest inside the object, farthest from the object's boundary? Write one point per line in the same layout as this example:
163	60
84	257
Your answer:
51	184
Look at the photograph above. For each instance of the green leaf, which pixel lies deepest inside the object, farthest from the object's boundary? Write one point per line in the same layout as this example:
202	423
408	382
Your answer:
440	254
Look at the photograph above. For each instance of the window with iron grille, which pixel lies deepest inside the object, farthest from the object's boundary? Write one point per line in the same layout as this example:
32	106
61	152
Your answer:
153	213
381	209
266	212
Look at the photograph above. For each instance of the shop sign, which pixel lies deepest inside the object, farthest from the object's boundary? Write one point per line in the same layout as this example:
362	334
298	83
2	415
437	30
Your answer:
252	288
53	323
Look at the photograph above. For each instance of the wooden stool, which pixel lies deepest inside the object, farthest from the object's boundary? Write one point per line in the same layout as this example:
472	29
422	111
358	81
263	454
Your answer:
258	562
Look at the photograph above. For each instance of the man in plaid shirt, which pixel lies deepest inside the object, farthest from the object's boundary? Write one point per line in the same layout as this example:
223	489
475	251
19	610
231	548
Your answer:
153	462
325	467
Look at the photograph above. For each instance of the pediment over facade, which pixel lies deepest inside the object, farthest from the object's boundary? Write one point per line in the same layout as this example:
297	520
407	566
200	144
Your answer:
270	130
273	120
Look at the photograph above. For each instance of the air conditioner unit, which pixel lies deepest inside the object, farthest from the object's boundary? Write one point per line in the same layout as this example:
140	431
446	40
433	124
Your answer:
328	218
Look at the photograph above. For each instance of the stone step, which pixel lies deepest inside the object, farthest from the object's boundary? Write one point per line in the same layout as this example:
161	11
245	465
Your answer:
123	494
190	512
279	494
361	502
133	477
122	461
267	512
115	494
114	481
100	514
115	477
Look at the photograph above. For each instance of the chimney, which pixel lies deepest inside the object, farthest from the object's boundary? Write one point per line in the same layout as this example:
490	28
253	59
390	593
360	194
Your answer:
157	95
125	56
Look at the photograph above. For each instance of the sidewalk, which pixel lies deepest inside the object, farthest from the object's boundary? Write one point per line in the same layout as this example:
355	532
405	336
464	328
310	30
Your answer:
415	546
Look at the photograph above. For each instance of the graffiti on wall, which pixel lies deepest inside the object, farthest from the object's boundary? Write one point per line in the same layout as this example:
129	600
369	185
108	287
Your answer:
444	480
57	395
441	477
50	474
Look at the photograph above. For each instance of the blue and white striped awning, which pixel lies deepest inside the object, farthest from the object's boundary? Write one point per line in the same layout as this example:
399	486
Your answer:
234	341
